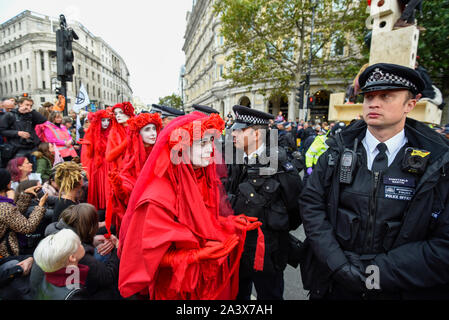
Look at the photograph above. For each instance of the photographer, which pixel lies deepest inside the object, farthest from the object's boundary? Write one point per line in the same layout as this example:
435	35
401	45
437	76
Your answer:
18	127
12	219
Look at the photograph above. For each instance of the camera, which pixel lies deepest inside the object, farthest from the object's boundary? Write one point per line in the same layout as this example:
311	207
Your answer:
415	160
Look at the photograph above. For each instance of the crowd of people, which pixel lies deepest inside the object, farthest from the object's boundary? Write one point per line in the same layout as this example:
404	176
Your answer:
142	206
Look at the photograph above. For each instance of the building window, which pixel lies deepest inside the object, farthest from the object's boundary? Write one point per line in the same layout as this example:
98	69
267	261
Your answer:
93	91
338	45
6	88
42	61
9	67
87	72
21	84
21	65
99	93
42	99
28	64
15	67
93	75
43	85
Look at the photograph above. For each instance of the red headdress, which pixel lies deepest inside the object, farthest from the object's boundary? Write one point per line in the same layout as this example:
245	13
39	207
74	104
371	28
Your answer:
175	205
127	108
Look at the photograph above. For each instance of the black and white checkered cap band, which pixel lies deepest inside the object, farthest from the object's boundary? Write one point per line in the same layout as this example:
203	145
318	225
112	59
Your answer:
379	75
251	119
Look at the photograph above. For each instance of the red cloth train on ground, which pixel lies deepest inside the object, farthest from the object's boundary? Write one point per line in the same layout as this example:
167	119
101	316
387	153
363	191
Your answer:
93	154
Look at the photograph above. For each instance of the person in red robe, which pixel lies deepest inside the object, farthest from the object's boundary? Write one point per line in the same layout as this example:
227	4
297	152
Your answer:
175	244
142	134
93	155
116	149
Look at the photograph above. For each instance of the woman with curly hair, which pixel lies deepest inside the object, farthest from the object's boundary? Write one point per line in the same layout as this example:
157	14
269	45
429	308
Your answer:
93	154
175	242
142	135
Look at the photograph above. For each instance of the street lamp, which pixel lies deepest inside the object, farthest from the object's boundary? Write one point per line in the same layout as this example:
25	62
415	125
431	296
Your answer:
313	4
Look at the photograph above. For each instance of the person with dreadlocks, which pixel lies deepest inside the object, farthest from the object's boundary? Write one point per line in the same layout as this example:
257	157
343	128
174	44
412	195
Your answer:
69	179
175	243
142	135
93	154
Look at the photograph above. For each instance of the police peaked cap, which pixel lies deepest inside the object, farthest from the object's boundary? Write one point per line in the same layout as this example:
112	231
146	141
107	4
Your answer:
246	117
204	109
166	111
386	76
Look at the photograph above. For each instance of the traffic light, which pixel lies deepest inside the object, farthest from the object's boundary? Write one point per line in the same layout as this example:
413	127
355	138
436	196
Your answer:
300	95
311	102
60	91
64	54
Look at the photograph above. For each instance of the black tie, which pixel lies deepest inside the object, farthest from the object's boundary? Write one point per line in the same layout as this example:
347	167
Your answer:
381	160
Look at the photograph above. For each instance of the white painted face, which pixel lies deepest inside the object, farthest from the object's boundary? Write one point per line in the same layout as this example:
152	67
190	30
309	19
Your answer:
120	116
149	134
105	123
201	151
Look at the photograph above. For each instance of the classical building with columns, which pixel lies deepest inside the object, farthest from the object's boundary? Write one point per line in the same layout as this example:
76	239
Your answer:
205	65
28	62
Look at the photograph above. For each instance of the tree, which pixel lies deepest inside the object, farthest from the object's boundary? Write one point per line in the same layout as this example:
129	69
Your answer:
268	41
433	48
173	101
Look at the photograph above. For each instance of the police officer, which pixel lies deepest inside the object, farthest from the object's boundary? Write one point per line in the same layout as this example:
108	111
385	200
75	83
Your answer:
268	191
204	109
167	113
376	207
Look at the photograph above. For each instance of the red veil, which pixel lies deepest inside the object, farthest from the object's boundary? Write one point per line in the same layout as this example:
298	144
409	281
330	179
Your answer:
174	208
93	155
123	181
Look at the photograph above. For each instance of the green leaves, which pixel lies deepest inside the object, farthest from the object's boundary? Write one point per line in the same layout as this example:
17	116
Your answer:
173	101
268	41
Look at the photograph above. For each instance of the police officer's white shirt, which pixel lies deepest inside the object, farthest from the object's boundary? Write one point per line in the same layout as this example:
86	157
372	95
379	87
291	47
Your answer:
394	144
253	154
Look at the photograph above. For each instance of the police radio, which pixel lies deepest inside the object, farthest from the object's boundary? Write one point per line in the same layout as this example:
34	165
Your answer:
347	164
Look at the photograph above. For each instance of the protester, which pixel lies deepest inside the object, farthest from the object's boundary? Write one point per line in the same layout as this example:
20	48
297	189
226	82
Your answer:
58	255
187	261
93	157
142	135
18	127
44	160
21	169
12	219
53	131
69	178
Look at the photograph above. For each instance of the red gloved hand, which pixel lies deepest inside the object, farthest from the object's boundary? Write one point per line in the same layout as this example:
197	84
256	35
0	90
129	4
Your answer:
243	222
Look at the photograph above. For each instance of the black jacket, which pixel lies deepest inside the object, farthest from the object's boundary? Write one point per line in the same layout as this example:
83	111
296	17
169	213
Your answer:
417	265
13	122
271	198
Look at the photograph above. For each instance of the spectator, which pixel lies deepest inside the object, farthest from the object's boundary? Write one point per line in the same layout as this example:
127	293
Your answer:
69	178
407	18
43	111
12	219
21	169
280	117
44	160
18	126
102	278
29	241
67	122
48	106
50	186
58	256
54	131
8	105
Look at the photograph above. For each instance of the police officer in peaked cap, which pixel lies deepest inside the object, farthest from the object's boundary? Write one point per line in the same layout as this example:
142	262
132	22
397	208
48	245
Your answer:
204	109
268	192
375	209
167	113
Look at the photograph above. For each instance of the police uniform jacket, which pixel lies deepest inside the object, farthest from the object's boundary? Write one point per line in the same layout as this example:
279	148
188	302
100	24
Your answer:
272	198
398	221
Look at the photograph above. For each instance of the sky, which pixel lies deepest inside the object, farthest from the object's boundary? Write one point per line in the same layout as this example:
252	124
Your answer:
148	35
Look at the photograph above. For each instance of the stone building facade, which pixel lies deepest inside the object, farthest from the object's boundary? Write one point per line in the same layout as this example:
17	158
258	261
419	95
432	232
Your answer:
28	62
